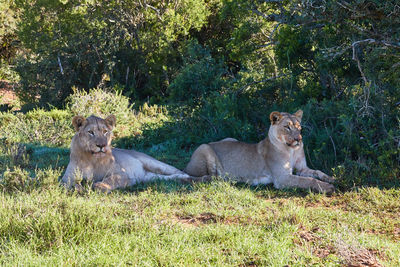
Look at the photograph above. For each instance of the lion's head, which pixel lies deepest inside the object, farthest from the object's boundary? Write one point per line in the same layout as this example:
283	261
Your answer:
286	128
94	134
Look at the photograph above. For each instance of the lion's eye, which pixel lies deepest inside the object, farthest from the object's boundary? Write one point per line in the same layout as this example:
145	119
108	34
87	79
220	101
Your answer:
105	132
287	127
91	133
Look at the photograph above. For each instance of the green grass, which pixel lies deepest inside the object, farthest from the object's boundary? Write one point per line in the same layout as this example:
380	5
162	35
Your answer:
174	224
218	223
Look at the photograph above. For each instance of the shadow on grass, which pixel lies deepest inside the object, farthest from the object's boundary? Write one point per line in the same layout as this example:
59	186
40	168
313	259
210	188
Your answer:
42	157
33	156
176	186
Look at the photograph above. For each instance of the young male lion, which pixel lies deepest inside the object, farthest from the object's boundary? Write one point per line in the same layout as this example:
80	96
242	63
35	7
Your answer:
272	160
92	158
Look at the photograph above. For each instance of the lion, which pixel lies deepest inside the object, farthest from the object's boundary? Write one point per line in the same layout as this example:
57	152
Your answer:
273	160
92	158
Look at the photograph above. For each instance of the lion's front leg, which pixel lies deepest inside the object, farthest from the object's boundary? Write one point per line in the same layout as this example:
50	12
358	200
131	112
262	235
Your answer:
296	181
74	175
113	181
316	173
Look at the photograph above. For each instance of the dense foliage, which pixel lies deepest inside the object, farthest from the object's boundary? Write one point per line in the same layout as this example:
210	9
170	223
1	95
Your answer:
220	67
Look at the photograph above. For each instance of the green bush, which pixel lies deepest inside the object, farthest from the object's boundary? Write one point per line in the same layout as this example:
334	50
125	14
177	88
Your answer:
355	143
54	128
102	103
16	179
12	154
200	75
37	127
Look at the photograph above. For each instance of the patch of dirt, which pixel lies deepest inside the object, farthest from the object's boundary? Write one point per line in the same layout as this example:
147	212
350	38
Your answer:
396	232
323	252
249	264
306	235
209	218
197	220
7	94
354	256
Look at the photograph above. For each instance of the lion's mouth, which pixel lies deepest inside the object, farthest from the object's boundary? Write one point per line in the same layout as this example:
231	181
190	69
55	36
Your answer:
98	154
293	144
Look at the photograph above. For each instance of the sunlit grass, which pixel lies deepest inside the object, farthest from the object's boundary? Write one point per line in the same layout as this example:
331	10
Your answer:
217	223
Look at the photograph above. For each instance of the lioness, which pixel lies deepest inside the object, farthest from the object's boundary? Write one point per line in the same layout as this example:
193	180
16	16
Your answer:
272	160
92	158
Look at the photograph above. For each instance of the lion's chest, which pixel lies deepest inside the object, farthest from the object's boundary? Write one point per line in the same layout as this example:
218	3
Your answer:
293	159
283	162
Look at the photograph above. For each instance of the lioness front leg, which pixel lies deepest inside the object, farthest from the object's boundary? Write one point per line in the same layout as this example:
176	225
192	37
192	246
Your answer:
112	182
304	182
316	173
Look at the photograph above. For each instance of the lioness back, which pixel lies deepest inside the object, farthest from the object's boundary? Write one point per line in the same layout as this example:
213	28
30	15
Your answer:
237	159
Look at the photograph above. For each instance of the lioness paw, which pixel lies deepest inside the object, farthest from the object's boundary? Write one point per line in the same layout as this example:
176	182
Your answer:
324	177
326	188
78	188
330	179
103	187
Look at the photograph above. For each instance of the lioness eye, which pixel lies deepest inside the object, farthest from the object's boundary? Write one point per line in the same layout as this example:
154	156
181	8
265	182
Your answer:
91	133
287	127
105	132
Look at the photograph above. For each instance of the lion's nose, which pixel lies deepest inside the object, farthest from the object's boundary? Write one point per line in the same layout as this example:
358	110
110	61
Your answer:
100	145
299	138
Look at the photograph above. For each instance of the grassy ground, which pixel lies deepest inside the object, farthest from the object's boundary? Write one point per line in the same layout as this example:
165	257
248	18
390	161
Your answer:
173	224
208	224
169	223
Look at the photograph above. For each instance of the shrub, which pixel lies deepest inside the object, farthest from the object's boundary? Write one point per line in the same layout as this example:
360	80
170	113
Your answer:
37	126
16	179
12	155
200	74
103	103
19	180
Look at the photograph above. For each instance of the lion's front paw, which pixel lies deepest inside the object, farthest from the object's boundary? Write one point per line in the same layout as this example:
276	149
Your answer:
78	188
324	177
103	187
325	188
329	179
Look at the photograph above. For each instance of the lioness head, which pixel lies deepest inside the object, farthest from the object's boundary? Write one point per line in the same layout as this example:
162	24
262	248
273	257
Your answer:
94	134
286	128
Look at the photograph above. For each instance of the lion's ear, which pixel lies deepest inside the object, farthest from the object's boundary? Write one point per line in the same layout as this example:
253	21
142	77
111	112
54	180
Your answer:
275	116
111	120
299	114
77	122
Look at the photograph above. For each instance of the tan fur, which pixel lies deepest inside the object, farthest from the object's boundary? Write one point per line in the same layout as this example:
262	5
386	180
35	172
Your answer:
273	160
93	159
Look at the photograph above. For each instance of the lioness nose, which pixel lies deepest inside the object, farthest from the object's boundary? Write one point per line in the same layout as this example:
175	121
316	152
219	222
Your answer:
100	145
299	138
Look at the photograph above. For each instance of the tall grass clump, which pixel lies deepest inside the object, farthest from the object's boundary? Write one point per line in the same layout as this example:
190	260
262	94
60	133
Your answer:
37	126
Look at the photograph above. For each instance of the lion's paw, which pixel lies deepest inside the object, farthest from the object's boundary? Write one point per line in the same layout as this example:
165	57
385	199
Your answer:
103	187
326	188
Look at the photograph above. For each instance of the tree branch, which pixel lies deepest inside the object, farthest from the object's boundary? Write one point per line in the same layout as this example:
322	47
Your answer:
272	17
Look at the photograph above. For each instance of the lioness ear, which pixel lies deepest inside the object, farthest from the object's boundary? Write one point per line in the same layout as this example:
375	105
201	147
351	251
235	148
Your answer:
299	114
275	117
111	120
77	122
